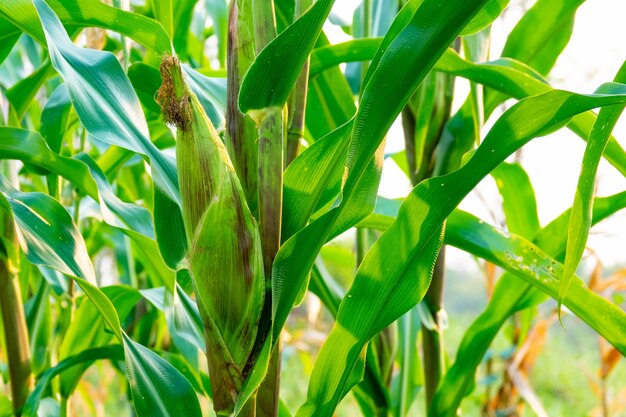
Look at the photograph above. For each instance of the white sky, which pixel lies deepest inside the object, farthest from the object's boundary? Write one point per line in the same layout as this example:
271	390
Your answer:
593	56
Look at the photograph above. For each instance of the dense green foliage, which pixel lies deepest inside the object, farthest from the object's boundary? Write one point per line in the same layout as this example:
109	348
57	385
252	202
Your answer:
172	173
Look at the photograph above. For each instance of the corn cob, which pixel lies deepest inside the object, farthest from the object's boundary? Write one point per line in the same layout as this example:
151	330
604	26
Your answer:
225	255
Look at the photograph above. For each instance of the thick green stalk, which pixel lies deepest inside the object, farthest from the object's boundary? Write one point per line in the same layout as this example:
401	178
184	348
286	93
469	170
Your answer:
297	109
297	105
15	336
241	133
423	120
14	321
264	19
271	144
272	124
432	339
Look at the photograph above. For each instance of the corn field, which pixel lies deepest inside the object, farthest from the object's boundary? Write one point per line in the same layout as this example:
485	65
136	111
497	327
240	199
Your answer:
192	224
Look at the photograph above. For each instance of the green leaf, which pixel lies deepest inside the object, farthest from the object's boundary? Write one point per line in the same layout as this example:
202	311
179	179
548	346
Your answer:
418	224
542	33
511	294
9	35
313	178
370	126
87	331
485	17
211	93
408	382
183	13
86	13
109	109
103	98
355	50
39	321
49	237
218	10
184	324
518	199
54	118
21	94
158	389
505	75
524	259
330	102
273	74
113	352
375	305
164	14
580	220
85	174
116	212
29	147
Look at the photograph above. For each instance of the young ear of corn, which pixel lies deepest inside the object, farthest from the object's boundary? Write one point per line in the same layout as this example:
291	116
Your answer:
225	249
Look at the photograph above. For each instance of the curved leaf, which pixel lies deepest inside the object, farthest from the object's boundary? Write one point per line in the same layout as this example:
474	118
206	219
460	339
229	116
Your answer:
542	33
510	294
29	147
113	352
273	74
54	117
485	17
158	389
419	221
507	76
86	13
429	31
104	98
518	199
580	220
527	261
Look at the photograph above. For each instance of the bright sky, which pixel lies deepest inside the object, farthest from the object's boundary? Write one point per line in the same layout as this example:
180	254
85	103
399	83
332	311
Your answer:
593	56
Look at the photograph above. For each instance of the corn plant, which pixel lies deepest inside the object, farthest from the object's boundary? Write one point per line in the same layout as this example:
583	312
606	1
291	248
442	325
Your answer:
172	172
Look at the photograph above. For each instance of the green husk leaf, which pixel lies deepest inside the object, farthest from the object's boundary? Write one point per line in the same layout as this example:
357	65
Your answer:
224	243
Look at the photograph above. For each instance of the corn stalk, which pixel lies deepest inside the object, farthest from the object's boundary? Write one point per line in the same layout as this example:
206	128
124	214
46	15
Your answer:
13	319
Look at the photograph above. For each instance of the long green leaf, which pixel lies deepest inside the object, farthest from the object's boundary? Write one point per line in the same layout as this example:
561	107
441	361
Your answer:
49	237
506	76
158	389
104	98
518	199
527	261
54	118
542	33
271	77
580	220
419	220
113	352
87	331
86	13
510	294
485	17
292	263
29	147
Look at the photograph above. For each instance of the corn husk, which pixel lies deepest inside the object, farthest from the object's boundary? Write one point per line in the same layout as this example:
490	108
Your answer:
225	255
